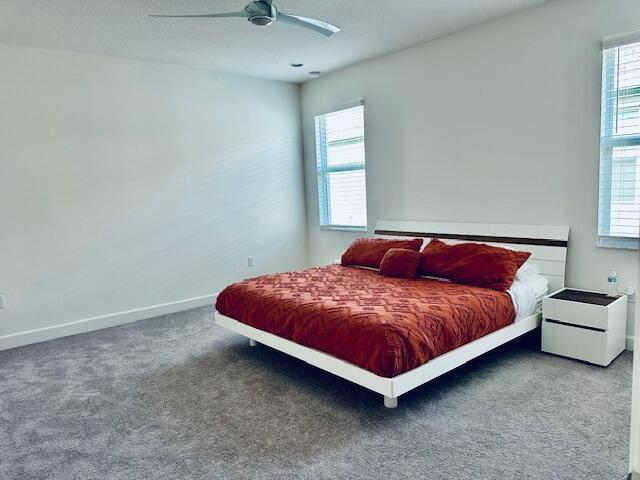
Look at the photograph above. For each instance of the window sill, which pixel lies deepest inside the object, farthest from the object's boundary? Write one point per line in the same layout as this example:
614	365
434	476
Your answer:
343	228
625	243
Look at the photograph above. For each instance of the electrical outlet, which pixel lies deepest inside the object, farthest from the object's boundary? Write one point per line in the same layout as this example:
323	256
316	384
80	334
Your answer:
250	261
1	301
631	294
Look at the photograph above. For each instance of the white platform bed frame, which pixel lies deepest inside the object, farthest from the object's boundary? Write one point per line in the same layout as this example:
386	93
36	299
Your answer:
548	247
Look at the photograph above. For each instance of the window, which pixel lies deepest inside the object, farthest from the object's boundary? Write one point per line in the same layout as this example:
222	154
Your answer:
341	169
623	174
619	209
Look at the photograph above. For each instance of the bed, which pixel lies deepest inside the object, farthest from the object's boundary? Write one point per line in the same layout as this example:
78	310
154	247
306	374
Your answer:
386	334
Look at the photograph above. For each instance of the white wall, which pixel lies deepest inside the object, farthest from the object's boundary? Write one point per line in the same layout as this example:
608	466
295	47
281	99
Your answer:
127	184
498	123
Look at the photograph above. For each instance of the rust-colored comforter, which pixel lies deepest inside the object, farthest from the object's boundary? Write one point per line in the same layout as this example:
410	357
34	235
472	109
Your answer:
385	325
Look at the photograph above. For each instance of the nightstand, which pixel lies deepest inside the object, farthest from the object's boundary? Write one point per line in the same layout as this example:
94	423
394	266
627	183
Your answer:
584	325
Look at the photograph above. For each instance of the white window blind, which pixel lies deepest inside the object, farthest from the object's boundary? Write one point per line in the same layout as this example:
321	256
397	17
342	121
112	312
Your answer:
619	209
341	169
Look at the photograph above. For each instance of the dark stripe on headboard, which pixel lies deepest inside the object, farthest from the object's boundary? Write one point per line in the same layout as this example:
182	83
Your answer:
478	238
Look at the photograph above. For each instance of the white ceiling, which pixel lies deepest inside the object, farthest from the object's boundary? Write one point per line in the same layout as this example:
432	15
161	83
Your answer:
121	28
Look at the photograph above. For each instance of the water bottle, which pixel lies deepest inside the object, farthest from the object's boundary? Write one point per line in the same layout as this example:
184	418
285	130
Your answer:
612	283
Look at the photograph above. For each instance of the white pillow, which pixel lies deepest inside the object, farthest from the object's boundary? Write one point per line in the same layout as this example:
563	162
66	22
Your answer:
529	274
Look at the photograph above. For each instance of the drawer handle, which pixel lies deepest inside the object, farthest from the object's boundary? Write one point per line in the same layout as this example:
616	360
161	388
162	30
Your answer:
574	325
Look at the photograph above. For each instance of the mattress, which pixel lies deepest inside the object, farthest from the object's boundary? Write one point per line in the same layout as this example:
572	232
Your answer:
385	325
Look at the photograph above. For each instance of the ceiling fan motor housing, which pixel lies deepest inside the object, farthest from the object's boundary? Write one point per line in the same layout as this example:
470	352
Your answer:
261	21
260	13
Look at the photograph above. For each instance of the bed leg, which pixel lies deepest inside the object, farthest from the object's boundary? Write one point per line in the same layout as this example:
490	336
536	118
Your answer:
390	402
252	342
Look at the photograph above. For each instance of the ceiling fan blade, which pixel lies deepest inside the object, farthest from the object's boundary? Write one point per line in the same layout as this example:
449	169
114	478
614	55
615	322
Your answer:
209	15
319	26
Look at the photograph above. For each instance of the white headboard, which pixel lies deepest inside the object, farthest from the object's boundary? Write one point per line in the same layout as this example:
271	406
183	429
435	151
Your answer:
547	243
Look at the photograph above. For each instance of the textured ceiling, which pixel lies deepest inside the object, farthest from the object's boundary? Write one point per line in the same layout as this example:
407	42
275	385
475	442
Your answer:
121	28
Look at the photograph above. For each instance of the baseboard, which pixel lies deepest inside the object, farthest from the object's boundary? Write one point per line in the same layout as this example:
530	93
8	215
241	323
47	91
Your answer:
629	344
103	321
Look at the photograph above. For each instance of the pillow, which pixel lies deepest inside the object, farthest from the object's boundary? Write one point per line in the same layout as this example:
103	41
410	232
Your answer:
529	275
472	264
526	268
368	252
401	263
521	257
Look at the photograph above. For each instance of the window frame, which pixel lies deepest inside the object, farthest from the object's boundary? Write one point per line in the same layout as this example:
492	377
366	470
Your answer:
323	170
610	141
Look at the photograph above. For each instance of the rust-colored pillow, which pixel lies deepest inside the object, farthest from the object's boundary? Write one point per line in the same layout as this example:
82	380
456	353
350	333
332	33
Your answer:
522	257
472	264
369	252
401	263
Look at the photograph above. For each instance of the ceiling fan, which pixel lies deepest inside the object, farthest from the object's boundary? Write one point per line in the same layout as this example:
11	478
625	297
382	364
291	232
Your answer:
264	12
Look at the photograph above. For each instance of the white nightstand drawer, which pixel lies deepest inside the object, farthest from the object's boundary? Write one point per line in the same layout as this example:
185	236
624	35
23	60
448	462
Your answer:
584	314
575	342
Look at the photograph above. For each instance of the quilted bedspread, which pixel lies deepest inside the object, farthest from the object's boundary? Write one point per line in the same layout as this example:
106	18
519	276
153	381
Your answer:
385	325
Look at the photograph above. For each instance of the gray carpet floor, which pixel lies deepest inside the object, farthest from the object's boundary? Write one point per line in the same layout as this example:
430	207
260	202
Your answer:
178	398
